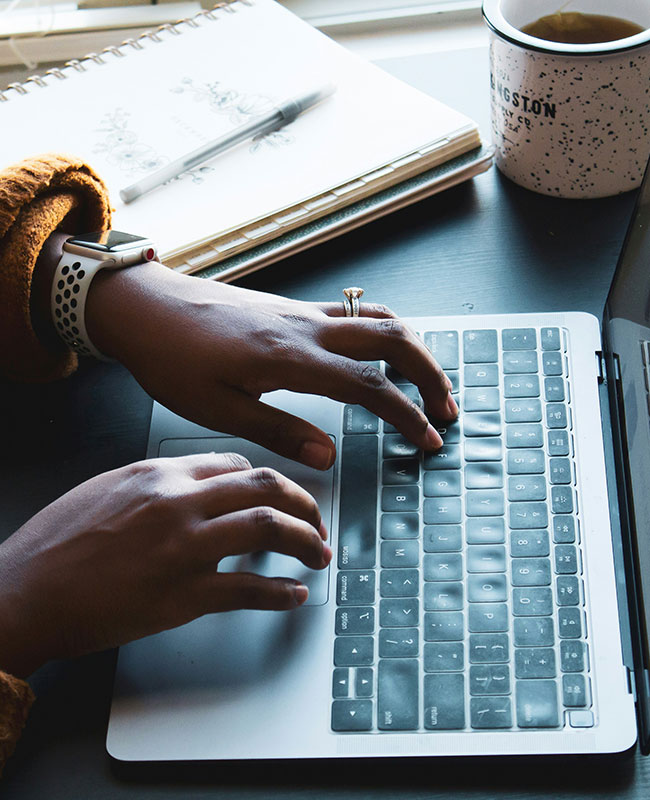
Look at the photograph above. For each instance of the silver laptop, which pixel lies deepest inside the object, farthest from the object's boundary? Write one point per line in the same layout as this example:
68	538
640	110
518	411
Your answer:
484	599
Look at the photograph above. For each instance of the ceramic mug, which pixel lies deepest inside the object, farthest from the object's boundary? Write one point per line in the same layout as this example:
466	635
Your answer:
569	120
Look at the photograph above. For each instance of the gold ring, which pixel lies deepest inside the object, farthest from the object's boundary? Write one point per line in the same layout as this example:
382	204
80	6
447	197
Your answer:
351	302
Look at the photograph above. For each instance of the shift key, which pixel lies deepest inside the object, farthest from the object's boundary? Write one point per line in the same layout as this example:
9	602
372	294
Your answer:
357	546
397	694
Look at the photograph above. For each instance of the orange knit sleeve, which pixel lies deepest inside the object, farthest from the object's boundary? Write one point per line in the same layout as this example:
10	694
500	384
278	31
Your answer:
36	197
16	699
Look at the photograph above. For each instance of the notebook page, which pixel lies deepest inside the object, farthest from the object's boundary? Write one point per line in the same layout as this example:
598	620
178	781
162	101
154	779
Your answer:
132	114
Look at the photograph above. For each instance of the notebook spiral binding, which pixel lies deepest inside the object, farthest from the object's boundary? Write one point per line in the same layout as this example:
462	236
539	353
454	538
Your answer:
77	64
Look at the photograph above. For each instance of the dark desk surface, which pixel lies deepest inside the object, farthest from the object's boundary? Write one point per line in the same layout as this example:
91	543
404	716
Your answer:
487	246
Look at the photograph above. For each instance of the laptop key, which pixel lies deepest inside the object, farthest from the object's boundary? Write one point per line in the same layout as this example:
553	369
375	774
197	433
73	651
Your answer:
486	588
489	648
561	499
444	626
521	386
537	705
481	375
397	446
355	587
482	399
490	712
447	457
341	682
444	657
483	449
525	516
486	558
526	462
560	470
444	347
442	483
404	553
526	409
488	617
531	572
357	419
566	559
552	363
400	471
480	346
363	682
399	643
534	632
444	701
482	423
519	339
450	433
556	415
550	338
401	612
442	510
534	662
399	583
567	590
558	442
400	498
397	694
564	529
574	691
358	503
396	525
443	596
524	435
353	651
484	503
355	620
442	538
443	567
529	543
534	601
484	476
527	487
486	679
554	390
569	622
352	715
572	656
520	362
485	530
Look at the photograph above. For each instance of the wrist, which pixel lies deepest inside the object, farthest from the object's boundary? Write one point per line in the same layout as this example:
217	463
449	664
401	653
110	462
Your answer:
41	289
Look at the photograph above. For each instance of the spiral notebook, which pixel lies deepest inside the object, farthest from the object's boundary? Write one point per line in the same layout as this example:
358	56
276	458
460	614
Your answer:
374	145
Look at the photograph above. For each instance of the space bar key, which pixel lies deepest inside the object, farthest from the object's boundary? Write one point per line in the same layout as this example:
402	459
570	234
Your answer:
358	502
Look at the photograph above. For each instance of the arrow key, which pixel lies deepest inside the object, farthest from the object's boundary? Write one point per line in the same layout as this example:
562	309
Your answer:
351	715
363	684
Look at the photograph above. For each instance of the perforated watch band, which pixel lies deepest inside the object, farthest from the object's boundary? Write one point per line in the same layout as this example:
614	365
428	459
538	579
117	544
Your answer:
72	280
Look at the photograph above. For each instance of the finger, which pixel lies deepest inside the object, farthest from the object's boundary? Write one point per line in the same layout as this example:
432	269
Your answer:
221	591
225	494
350	381
262	528
207	465
365	310
277	430
393	341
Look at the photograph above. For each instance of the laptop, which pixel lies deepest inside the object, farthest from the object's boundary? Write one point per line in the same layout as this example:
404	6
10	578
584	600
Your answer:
484	599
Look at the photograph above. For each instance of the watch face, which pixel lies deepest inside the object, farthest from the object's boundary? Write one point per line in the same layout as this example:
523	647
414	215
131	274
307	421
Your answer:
107	241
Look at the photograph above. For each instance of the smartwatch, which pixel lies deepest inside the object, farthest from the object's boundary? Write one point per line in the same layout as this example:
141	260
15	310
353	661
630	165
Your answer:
83	256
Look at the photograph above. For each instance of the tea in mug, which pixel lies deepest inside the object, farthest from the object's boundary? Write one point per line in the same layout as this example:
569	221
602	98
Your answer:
574	27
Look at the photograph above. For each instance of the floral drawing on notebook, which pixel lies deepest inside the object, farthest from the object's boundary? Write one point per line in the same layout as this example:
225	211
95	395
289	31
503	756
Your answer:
239	107
122	146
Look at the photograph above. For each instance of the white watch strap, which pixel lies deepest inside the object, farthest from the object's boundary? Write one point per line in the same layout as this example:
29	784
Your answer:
72	280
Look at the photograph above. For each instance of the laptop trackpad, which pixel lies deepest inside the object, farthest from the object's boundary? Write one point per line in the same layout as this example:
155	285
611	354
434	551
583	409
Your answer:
319	484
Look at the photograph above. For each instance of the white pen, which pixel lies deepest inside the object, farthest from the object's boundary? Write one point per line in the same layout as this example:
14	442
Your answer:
281	115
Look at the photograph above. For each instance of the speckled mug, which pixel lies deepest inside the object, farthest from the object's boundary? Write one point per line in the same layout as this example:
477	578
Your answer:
569	120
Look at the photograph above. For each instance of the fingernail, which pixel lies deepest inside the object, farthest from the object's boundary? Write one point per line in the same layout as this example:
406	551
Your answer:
450	385
432	438
301	593
452	406
327	554
316	455
322	530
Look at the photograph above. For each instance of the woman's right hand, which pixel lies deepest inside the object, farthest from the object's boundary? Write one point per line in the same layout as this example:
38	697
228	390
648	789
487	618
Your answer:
136	551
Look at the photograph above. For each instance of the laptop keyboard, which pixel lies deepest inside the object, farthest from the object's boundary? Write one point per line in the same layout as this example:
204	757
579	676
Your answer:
460	603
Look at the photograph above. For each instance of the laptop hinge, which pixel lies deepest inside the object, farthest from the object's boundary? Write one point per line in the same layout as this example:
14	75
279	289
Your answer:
601	367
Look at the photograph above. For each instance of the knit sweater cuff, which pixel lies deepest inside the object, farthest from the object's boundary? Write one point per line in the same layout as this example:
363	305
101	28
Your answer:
36	197
16	699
